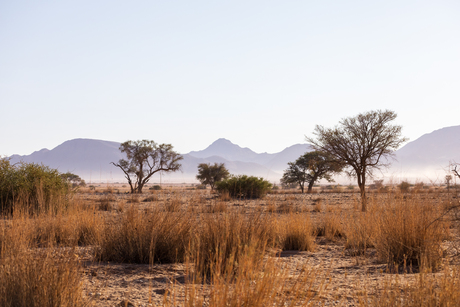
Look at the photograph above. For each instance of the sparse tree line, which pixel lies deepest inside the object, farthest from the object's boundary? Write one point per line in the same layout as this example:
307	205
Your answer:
358	146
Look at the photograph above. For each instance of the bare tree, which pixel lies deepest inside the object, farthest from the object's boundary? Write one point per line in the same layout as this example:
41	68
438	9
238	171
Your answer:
362	142
310	168
145	158
211	174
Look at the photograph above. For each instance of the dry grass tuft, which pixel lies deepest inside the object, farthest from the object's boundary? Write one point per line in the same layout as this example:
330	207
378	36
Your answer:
249	287
31	280
174	204
297	233
410	232
134	199
150	237
427	291
317	204
219	241
105	203
331	226
225	196
151	198
360	230
35	277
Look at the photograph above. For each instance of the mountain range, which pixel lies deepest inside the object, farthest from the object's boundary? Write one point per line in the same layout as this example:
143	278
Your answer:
425	158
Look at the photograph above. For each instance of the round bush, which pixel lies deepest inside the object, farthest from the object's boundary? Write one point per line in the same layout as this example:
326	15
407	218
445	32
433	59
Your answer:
244	186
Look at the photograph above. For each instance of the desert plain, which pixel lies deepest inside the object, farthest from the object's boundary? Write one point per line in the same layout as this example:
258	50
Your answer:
285	249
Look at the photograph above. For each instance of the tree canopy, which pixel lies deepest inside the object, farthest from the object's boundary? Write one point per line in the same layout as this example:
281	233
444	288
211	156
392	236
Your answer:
362	142
311	167
145	158
211	174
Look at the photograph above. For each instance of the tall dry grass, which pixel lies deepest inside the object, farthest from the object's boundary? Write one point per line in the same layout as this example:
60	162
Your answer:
296	232
331	226
410	231
427	291
219	241
406	231
148	237
360	230
35	276
254	283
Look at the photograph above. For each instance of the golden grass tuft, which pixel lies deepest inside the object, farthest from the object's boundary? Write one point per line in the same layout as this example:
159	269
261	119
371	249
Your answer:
297	232
248	286
31	276
146	237
427	291
220	240
173	204
410	232
331	226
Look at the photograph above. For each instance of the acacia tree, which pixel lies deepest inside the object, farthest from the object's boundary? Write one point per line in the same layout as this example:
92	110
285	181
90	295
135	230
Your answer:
211	174
145	158
310	168
363	143
73	179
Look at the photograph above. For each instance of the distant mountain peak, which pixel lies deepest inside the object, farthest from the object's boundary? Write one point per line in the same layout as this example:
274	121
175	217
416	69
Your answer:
222	140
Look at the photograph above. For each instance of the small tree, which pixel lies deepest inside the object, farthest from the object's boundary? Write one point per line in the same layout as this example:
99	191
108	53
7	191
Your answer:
361	142
309	168
145	158
73	179
211	174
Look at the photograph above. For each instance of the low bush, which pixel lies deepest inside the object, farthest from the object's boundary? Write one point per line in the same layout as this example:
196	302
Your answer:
248	187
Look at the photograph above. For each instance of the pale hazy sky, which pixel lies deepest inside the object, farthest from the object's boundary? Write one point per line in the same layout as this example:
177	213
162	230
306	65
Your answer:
259	73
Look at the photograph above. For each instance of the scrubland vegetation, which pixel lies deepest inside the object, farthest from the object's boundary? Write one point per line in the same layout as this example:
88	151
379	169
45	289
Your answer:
193	247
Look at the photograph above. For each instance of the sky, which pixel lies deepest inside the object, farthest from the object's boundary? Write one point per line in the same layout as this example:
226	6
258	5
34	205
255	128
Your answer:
259	73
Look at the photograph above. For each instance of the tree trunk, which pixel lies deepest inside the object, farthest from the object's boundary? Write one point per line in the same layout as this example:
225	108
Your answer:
302	186
310	186
139	188
362	188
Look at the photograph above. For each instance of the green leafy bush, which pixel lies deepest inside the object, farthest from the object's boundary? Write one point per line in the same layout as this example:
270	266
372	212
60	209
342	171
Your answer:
36	186
244	186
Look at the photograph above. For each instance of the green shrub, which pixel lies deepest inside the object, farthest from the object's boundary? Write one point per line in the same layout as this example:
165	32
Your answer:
244	186
33	185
